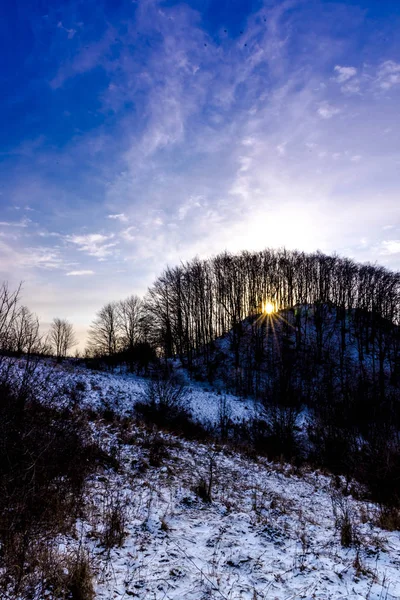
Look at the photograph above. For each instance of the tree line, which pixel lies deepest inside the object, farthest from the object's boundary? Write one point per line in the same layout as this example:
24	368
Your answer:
192	304
20	329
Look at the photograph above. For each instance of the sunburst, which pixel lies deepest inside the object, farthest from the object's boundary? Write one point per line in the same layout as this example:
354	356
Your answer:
268	308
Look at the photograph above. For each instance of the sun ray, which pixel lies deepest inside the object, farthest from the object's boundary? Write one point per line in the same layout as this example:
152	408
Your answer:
267	307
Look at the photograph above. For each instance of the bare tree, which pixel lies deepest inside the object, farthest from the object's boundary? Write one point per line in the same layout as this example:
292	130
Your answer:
103	333
9	306
129	320
19	333
62	337
25	332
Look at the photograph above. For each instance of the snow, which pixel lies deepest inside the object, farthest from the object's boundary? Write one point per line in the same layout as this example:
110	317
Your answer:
269	532
121	391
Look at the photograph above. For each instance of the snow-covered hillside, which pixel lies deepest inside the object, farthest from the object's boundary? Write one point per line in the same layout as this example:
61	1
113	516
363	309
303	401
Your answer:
267	531
120	391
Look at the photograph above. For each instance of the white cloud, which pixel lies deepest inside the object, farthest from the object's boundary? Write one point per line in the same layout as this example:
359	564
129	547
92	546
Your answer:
71	32
327	111
344	73
22	223
351	87
94	244
388	75
186	207
22	260
119	217
79	273
54	234
87	59
129	234
391	246
45	258
282	149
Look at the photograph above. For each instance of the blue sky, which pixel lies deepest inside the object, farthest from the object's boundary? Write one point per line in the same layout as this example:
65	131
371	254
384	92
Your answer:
136	134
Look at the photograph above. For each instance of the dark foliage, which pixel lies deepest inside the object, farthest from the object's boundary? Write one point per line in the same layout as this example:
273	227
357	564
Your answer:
194	304
163	406
45	458
202	491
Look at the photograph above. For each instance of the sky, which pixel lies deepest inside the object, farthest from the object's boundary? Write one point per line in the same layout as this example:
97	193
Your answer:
138	134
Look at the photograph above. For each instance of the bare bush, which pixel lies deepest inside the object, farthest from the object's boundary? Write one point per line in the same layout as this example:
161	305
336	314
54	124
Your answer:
224	417
389	518
45	458
203	489
165	392
344	521
79	577
158	449
162	403
114	521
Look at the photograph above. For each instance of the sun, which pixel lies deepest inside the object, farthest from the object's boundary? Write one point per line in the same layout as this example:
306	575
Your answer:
268	308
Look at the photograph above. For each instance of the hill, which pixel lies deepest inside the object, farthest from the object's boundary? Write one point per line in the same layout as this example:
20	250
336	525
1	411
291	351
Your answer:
164	517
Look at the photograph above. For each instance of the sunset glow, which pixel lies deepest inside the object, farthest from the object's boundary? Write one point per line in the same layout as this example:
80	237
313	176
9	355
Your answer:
199	269
268	308
136	135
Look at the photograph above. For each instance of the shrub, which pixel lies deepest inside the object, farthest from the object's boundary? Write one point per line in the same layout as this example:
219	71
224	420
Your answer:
158	450
162	404
45	458
344	521
79	581
224	417
165	392
389	518
114	522
202	490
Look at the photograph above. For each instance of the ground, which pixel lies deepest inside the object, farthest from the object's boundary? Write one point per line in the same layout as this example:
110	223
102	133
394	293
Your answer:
175	519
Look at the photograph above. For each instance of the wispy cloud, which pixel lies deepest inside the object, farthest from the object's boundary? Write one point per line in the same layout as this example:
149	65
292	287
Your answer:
391	246
85	59
344	73
22	260
70	32
193	203
44	258
388	75
327	111
119	217
381	77
79	273
22	223
94	244
181	140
